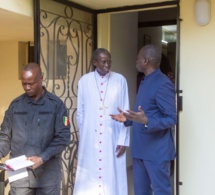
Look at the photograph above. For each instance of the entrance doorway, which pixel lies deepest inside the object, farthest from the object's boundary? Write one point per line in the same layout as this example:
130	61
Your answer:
126	40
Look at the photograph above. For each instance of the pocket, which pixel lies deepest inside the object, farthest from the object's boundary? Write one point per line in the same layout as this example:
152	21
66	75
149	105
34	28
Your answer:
38	171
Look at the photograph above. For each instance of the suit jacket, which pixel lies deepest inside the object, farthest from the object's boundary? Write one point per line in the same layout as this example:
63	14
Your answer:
156	96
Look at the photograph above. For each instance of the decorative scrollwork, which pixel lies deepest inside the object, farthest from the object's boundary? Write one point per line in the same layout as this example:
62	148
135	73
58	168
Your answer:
66	47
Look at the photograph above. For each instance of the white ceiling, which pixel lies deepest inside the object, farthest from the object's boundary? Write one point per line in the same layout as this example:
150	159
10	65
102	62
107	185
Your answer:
104	4
18	27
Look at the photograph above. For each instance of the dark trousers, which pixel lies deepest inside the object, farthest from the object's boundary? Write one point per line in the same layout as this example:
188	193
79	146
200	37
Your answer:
151	177
51	190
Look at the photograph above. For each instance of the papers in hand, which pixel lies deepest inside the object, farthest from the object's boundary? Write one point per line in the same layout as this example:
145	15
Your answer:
17	167
18	163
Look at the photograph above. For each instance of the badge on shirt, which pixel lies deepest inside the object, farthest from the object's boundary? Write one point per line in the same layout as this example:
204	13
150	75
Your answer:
65	120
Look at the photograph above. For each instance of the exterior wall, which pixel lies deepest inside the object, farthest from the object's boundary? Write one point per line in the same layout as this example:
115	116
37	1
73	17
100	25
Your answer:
10	86
104	30
24	7
197	124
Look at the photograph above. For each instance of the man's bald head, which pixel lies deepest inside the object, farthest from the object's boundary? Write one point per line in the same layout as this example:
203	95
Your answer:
32	80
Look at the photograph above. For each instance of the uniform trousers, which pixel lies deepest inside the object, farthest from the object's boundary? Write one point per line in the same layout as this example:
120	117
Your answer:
51	190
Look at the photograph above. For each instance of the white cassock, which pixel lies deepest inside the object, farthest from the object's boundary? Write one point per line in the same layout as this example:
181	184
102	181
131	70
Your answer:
99	171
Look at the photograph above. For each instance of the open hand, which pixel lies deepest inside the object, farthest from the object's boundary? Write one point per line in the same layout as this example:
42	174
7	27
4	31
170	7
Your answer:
118	117
139	117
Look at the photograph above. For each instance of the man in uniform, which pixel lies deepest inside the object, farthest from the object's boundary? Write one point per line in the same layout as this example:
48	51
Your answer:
36	125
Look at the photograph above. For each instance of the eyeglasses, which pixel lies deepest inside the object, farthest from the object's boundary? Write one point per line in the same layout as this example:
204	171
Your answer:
103	62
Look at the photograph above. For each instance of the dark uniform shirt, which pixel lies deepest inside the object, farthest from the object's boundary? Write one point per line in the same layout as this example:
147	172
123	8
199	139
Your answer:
36	128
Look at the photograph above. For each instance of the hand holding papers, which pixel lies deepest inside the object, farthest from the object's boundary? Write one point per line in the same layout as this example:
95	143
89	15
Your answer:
18	163
37	161
17	167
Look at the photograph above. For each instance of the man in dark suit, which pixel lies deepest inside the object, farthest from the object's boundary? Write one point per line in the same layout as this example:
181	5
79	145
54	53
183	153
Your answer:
153	122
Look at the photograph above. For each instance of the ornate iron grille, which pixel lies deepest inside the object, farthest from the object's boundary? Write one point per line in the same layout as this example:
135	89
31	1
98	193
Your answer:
66	48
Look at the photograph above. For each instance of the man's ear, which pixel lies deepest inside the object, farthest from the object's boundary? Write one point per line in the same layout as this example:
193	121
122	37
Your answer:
146	60
94	62
41	76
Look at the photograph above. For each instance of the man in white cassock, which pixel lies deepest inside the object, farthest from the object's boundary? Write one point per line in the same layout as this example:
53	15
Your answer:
101	168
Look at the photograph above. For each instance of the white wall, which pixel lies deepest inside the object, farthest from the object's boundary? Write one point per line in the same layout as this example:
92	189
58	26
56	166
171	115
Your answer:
123	48
197	120
154	32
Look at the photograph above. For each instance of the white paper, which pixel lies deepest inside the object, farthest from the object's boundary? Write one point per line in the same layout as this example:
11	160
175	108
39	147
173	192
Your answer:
18	174
19	165
19	162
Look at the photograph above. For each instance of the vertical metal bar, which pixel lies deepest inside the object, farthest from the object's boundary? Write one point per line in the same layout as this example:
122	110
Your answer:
95	31
178	183
36	4
2	182
28	51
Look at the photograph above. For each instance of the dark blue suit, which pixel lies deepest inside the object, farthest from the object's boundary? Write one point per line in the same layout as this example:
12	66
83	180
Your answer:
153	145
